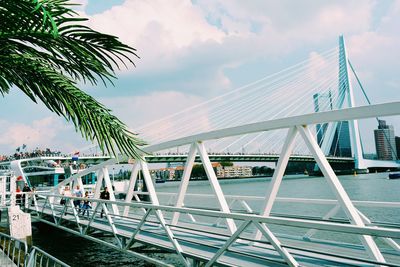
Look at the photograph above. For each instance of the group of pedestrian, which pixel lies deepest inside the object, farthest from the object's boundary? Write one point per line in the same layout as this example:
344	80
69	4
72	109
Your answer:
83	206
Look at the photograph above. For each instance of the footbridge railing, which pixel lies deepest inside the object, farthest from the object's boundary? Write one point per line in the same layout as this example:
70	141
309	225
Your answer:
298	127
206	241
15	252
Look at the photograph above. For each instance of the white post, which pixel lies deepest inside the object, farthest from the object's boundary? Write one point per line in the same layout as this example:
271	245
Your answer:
184	182
13	189
339	191
99	183
107	181
149	183
278	175
215	185
131	186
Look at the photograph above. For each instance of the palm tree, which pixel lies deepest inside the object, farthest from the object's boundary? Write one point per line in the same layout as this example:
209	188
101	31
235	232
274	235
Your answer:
45	50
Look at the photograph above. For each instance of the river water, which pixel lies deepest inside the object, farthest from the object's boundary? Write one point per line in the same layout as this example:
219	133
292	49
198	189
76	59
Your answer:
77	251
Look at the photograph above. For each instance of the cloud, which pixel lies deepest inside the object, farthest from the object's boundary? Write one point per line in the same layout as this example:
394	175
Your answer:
48	132
40	133
190	46
193	50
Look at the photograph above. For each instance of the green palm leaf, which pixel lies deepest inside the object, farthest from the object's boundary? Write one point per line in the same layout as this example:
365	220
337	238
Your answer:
45	50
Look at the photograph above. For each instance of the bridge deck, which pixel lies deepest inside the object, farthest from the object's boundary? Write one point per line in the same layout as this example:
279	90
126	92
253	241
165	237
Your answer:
202	242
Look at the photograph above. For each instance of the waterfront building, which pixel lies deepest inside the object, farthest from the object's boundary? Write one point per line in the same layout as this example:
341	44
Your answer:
219	169
385	141
341	145
163	173
238	171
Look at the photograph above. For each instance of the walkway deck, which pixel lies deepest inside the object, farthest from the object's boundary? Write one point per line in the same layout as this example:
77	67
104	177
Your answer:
202	242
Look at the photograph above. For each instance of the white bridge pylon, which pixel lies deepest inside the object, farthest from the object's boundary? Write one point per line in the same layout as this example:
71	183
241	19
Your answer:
345	91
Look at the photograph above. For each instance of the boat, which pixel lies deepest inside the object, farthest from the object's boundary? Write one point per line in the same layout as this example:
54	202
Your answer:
45	172
394	175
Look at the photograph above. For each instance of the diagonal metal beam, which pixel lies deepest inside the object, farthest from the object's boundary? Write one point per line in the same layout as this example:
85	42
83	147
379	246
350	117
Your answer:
91	219
172	238
184	182
138	228
215	185
276	180
131	186
112	225
339	191
228	243
277	244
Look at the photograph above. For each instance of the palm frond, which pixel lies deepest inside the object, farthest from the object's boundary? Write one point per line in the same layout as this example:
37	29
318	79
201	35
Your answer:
45	49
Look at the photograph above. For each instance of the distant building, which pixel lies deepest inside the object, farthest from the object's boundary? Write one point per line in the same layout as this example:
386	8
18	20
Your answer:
238	171
341	144
219	169
163	174
385	141
397	141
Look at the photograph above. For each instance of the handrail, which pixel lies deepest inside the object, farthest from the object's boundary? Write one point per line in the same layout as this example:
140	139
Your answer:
13	248
361	203
130	229
17	251
38	257
283	221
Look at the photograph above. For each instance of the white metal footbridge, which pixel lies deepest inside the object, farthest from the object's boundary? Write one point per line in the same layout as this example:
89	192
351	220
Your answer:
233	231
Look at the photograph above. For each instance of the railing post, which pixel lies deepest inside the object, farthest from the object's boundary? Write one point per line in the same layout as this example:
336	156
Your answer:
110	189
339	191
276	180
184	182
215	185
131	186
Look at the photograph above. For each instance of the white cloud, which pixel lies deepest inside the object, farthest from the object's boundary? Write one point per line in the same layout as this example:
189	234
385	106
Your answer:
192	46
39	133
48	132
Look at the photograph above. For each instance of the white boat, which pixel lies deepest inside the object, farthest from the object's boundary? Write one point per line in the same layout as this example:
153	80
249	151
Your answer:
45	172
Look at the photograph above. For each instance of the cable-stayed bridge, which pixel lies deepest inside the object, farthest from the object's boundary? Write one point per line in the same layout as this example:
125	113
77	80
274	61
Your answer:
303	110
322	83
319	84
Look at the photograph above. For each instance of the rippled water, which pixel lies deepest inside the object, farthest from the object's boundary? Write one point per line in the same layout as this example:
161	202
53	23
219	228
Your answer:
77	251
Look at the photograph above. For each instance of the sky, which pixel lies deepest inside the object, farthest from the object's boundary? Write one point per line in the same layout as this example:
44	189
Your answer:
191	51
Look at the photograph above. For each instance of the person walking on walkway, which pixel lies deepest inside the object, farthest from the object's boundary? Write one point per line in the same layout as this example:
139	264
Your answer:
77	202
106	196
86	205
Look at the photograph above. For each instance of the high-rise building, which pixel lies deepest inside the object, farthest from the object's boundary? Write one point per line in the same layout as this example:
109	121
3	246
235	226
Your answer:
397	141
385	141
341	145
